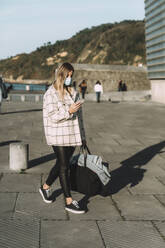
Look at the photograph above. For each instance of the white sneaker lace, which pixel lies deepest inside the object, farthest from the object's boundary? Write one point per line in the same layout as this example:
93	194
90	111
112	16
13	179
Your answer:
48	192
75	203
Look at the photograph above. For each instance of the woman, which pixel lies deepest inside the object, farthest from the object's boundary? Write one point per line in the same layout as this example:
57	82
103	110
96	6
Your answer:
98	89
64	131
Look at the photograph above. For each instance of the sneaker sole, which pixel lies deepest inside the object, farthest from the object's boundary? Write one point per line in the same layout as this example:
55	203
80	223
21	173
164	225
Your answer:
75	211
47	201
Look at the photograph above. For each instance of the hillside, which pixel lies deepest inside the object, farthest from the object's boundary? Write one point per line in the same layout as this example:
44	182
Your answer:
120	43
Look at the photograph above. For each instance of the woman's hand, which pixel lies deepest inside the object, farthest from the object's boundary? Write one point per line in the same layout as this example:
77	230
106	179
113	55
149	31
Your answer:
74	107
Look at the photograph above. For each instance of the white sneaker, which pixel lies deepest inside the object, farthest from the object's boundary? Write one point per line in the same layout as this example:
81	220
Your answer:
45	193
74	208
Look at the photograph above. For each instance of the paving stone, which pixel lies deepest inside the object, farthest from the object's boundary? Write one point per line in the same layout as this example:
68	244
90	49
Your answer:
140	207
19	233
20	183
162	153
130	234
149	185
31	204
123	134
162	179
105	142
149	140
130	150
98	208
7	204
99	150
156	160
154	171
4	155
66	234
161	227
128	142
39	147
161	198
162	166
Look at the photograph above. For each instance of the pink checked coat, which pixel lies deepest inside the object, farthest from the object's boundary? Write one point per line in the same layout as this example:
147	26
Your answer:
61	127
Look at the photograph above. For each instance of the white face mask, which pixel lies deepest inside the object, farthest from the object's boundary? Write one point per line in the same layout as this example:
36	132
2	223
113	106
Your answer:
68	81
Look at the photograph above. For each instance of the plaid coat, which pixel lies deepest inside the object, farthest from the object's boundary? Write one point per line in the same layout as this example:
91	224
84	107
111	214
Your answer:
61	127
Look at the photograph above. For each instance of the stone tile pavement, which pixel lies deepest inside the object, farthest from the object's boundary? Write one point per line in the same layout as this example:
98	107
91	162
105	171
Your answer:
130	136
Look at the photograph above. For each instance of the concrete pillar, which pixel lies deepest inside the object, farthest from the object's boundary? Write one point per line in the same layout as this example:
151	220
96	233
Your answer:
158	90
18	156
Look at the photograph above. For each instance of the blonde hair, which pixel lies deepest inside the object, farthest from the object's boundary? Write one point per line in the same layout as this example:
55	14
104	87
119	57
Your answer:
61	74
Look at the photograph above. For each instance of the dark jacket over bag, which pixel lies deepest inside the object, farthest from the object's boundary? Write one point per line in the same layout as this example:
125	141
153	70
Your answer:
4	89
89	181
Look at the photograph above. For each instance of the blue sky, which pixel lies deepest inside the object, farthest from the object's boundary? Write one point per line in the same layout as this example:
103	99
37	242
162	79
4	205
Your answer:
28	24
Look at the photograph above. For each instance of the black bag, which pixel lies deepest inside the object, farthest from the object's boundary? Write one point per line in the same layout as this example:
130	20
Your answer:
84	180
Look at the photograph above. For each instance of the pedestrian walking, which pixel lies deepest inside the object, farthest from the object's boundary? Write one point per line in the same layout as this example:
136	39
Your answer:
0	99
83	88
124	87
98	89
64	130
120	85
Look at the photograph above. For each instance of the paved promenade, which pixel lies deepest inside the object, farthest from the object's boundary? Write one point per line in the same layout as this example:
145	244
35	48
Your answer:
131	137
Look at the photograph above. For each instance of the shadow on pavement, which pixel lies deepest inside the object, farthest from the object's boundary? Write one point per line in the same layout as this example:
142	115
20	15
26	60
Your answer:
41	160
6	143
21	111
130	171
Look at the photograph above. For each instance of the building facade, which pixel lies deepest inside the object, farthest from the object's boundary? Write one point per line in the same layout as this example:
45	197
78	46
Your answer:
155	47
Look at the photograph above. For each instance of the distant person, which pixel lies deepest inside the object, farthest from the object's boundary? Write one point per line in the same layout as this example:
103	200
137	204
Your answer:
120	85
83	88
0	99
3	93
98	89
124	87
9	88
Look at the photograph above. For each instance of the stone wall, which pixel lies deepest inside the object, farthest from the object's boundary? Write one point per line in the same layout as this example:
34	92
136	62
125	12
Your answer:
135	80
108	75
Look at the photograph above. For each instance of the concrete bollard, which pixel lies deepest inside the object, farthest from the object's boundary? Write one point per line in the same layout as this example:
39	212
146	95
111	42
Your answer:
37	98
22	98
18	156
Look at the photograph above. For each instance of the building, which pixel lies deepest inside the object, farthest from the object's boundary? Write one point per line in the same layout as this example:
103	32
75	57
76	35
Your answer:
155	47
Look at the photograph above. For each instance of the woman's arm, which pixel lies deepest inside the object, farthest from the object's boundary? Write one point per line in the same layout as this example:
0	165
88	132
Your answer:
56	113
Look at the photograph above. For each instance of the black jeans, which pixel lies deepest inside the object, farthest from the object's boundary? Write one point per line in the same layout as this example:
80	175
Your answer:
61	168
83	94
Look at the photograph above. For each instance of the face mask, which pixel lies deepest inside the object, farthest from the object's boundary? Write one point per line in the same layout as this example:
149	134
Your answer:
68	81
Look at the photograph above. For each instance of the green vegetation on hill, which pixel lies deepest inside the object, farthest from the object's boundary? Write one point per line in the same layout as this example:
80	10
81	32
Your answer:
119	43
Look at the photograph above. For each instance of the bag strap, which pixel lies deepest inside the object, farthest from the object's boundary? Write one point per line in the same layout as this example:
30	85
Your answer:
86	147
85	150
